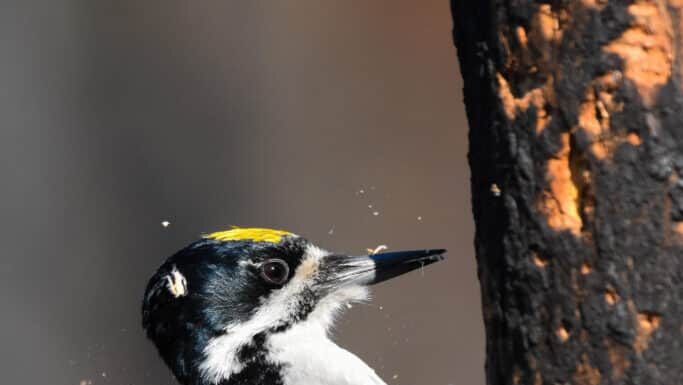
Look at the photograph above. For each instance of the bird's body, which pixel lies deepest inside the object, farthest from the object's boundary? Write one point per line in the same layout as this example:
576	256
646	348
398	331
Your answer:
254	307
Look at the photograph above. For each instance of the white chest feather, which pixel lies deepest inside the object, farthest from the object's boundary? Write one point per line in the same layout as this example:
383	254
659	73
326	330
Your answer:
310	358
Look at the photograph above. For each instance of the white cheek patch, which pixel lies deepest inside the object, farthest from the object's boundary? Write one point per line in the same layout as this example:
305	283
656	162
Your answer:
176	283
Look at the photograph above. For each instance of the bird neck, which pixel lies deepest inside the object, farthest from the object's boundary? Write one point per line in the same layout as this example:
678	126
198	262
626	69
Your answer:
301	354
308	356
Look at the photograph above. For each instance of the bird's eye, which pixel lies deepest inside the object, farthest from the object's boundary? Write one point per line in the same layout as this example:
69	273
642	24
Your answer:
275	271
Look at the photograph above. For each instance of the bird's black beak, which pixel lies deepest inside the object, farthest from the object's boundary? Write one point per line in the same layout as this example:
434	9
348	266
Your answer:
341	270
391	264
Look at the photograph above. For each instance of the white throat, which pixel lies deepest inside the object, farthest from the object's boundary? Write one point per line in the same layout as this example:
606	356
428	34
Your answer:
310	357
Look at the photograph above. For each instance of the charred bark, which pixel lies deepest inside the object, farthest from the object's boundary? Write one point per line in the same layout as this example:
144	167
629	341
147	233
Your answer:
576	150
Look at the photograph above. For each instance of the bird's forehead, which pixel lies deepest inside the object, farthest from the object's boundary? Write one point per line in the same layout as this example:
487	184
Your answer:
253	234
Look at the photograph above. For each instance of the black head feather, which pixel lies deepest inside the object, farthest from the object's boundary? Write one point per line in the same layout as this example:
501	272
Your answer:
223	287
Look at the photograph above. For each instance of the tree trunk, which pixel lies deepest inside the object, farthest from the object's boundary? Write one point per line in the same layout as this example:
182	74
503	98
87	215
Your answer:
576	150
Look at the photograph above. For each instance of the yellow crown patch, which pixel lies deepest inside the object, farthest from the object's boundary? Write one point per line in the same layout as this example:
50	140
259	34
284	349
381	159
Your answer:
253	234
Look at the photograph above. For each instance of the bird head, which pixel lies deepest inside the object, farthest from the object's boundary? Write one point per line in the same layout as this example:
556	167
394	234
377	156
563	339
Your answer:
211	307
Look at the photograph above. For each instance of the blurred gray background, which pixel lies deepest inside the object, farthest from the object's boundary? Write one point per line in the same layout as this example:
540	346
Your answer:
116	116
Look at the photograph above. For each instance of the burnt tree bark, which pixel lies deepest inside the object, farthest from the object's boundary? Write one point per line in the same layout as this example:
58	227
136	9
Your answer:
576	150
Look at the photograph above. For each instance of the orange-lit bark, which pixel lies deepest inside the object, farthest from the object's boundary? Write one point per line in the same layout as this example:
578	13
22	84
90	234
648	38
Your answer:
576	118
